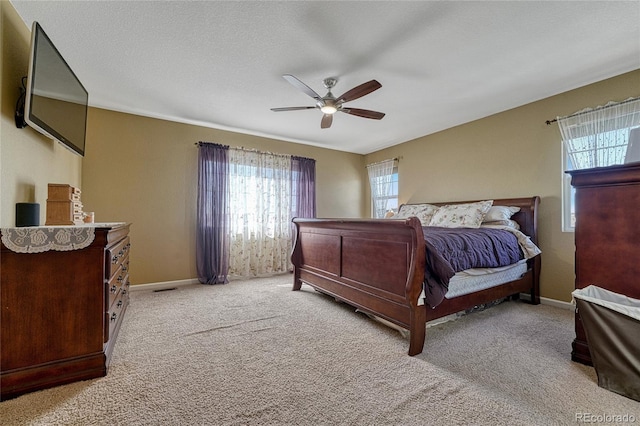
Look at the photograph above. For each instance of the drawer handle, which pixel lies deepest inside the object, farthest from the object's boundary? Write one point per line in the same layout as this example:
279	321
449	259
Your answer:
120	278
114	316
114	259
124	291
119	304
114	288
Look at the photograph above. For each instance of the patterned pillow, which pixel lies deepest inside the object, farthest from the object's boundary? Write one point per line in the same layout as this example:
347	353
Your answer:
500	213
468	215
423	212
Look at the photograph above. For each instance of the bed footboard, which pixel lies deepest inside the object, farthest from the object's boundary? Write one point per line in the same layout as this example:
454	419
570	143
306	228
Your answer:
375	265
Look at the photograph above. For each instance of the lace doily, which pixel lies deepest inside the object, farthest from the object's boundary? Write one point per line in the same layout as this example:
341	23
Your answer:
40	239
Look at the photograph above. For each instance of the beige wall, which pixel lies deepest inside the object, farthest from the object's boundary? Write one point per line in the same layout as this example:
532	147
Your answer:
144	171
511	154
28	160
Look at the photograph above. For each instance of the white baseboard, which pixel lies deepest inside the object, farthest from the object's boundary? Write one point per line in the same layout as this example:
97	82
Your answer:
164	285
557	303
551	302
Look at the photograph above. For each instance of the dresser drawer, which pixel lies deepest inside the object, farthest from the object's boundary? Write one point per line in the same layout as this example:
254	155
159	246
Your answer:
125	288
115	256
115	284
114	315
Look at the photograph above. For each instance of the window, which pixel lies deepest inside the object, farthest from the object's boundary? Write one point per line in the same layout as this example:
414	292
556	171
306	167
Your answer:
383	178
387	202
600	137
259	201
568	196
259	213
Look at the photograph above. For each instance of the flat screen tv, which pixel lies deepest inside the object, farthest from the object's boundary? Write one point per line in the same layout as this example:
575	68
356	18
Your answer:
56	102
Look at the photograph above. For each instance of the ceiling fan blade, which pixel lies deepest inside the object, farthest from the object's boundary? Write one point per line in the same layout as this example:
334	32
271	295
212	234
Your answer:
359	91
301	86
327	119
292	108
375	115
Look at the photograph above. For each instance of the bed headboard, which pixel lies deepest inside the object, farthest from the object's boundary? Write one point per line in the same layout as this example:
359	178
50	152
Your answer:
527	217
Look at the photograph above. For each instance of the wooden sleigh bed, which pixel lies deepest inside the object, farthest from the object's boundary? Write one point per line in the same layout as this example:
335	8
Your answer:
378	266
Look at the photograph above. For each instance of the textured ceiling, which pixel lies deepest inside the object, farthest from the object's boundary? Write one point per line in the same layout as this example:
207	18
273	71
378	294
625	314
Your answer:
220	64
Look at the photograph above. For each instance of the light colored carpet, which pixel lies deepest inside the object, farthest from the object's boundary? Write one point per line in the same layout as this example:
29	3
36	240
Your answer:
254	352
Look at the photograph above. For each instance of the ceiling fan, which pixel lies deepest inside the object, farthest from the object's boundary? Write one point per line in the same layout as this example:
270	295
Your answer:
329	104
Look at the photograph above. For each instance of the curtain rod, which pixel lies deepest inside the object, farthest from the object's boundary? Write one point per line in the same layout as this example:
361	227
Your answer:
382	161
239	148
591	110
242	148
201	142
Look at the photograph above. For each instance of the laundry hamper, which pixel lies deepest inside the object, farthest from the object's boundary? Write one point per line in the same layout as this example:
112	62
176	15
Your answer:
612	325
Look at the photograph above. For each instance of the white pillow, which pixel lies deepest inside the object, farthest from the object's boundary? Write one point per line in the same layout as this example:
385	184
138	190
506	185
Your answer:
424	212
500	213
467	215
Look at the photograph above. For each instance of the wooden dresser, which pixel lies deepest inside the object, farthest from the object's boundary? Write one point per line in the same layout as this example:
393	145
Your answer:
61	307
607	236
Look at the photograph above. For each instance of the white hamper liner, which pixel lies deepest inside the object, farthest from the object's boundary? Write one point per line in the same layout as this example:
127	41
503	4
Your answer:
612	326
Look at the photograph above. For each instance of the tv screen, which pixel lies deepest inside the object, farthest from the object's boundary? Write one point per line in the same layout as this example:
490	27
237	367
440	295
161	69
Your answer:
56	101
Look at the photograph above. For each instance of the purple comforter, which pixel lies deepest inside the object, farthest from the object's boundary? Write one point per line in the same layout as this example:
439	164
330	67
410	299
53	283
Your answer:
450	250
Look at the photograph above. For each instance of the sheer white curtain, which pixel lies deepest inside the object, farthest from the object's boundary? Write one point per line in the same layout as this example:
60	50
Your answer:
260	206
380	175
599	137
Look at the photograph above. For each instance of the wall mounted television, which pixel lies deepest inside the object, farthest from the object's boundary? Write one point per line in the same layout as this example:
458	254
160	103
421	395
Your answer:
56	101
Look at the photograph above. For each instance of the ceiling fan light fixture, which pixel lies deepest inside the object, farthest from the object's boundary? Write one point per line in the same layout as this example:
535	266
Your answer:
328	109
